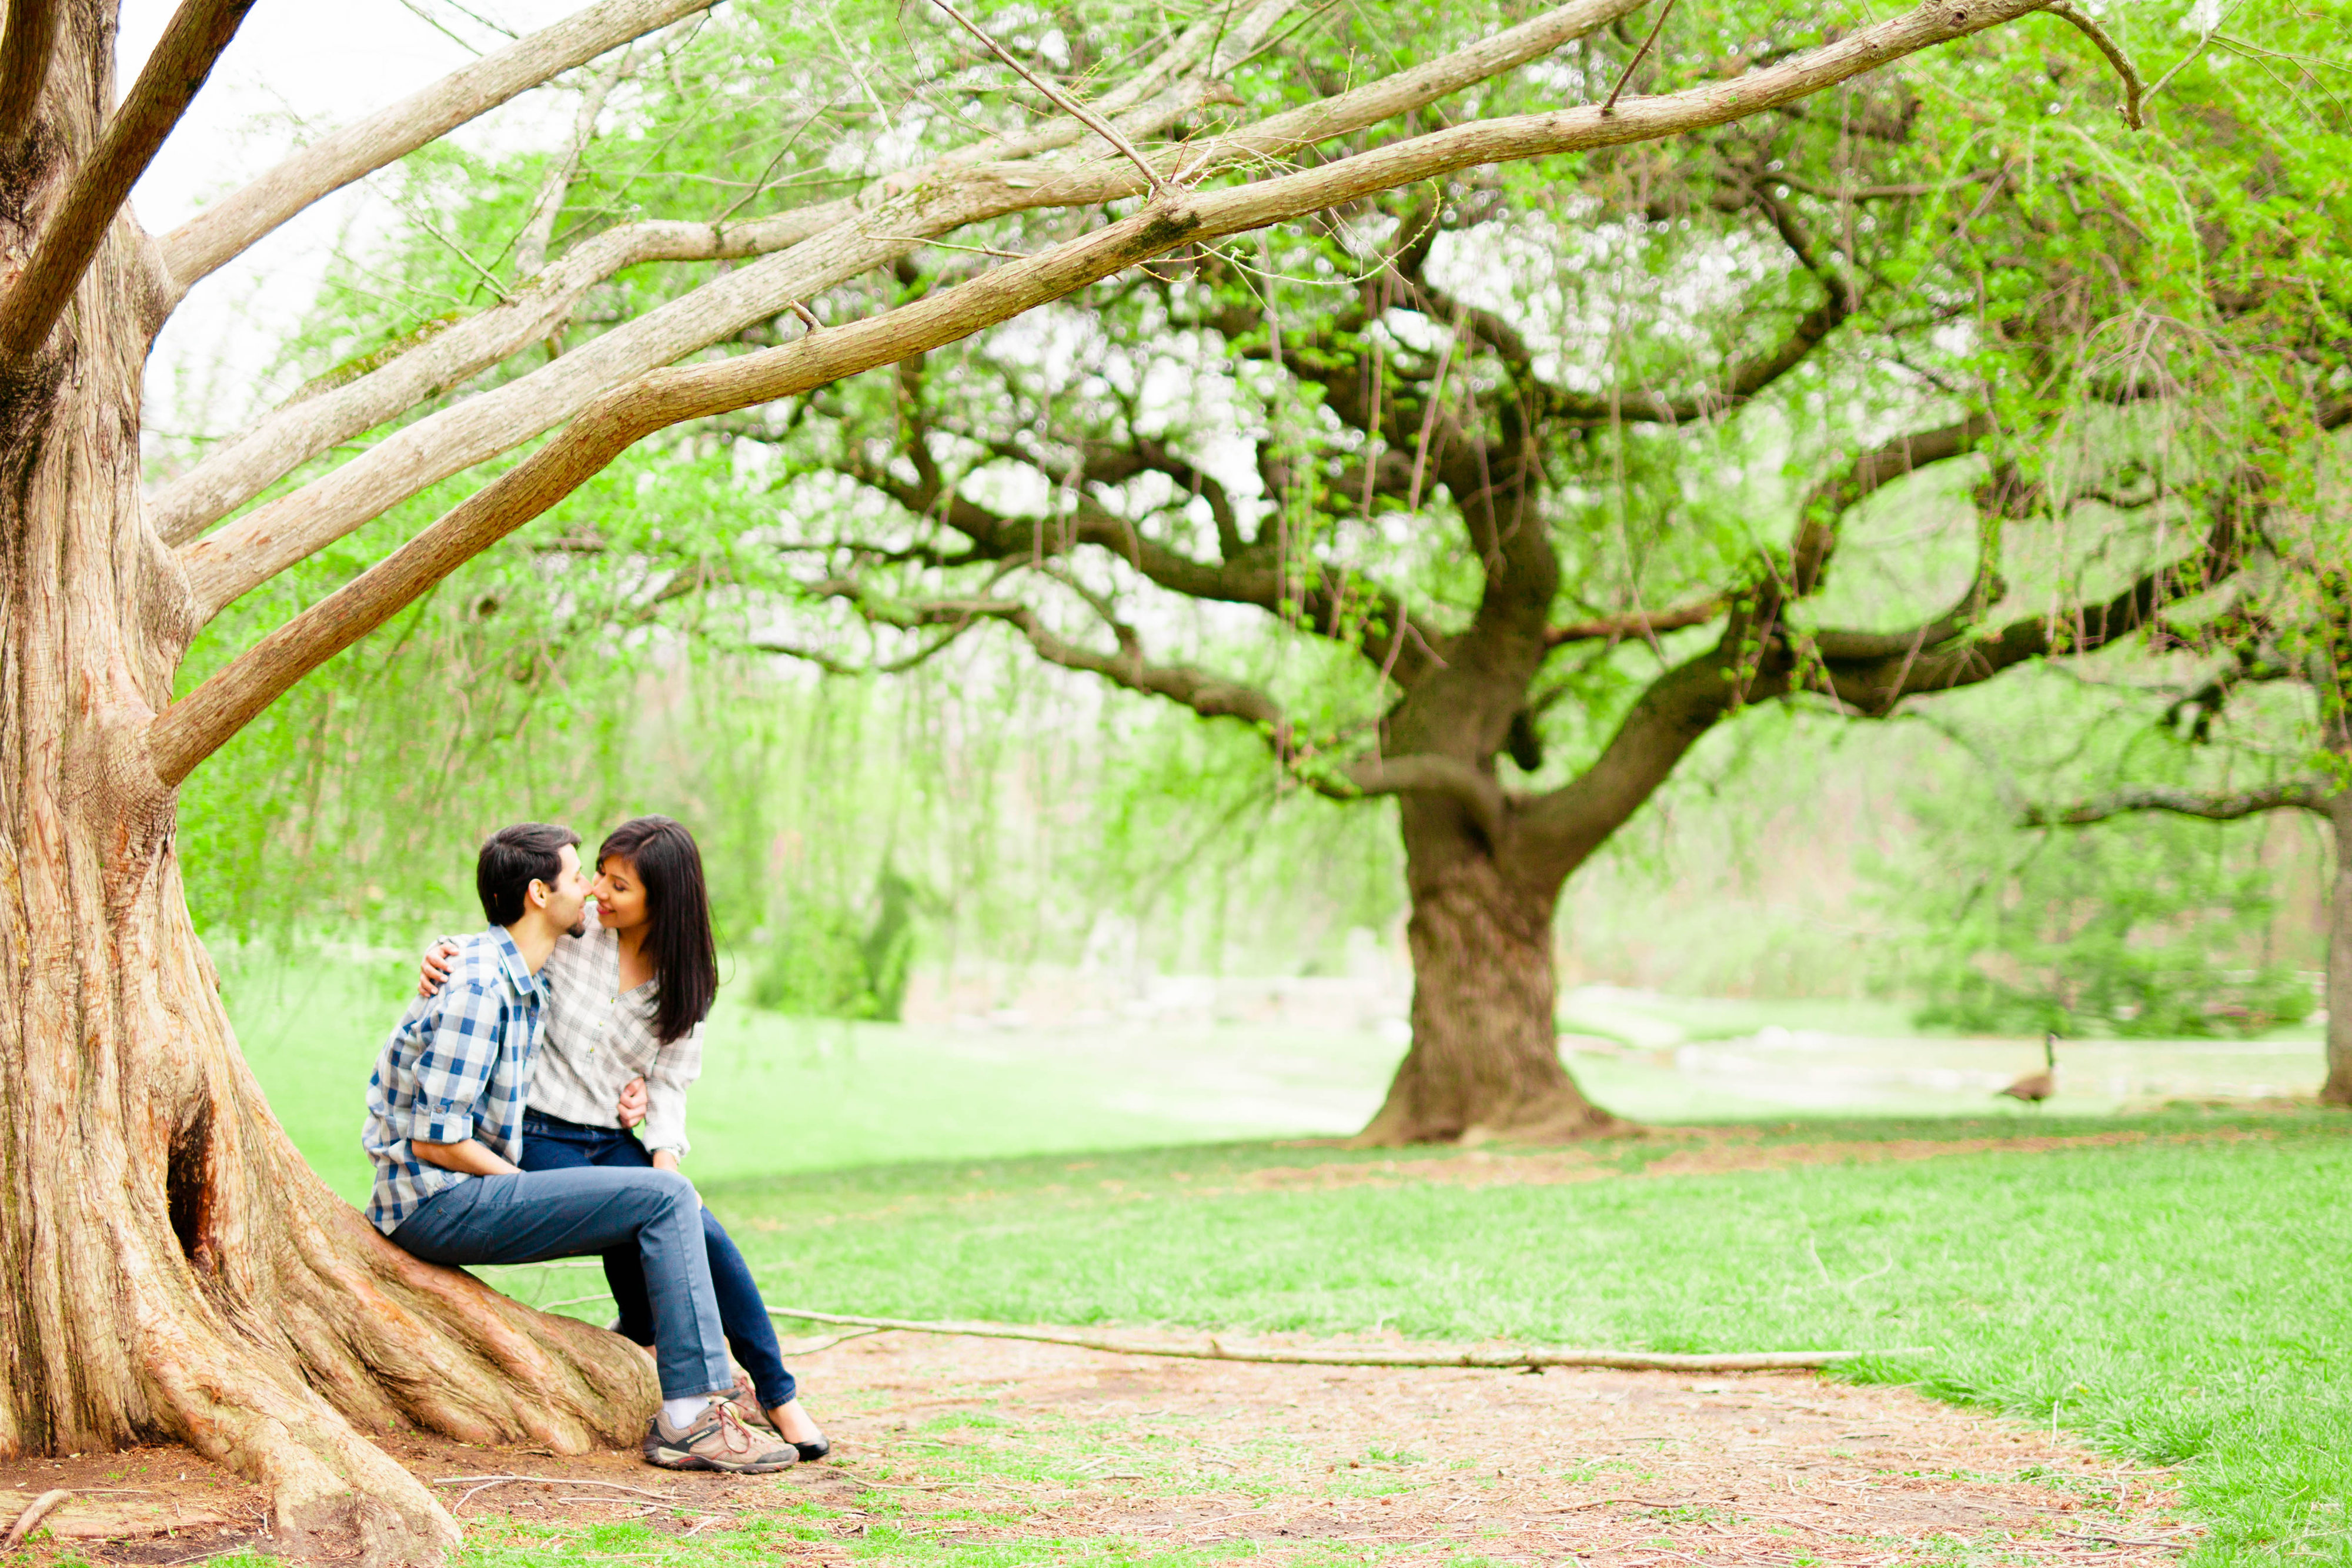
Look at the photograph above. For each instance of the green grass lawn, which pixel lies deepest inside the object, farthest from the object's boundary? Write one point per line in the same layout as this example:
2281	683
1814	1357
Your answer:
2180	1300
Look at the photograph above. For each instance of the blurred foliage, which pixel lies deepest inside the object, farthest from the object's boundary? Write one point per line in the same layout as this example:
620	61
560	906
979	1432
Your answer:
2133	930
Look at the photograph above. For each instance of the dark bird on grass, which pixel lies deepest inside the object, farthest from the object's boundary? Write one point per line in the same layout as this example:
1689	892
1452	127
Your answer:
2036	1087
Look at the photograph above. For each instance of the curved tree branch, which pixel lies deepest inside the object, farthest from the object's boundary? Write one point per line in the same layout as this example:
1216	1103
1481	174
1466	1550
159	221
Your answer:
815	250
960	188
2214	805
1635	623
224	230
2133	93
1474	789
1912	664
284	440
184	56
194	727
1249	577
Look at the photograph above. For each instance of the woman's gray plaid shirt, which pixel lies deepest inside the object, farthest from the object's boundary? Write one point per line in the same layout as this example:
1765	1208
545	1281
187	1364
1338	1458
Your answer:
597	1037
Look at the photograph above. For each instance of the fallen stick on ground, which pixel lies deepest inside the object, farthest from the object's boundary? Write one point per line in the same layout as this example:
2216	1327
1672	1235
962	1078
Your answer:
33	1513
548	1481
829	1341
1501	1360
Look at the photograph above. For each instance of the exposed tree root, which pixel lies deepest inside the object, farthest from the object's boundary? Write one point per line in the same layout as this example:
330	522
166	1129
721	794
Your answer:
1501	1360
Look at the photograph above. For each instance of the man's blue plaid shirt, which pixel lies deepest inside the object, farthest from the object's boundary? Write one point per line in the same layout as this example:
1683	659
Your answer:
456	1068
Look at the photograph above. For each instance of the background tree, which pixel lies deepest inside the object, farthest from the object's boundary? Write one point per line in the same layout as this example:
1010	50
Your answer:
181	1274
1549	464
2298	636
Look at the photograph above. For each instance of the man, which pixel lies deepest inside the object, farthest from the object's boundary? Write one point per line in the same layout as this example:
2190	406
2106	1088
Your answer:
445	1129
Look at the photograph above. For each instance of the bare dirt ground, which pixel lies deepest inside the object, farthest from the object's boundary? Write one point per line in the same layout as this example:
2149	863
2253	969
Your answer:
995	1447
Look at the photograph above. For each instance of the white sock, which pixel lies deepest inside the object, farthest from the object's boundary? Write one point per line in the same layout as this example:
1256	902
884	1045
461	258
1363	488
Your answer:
677	1415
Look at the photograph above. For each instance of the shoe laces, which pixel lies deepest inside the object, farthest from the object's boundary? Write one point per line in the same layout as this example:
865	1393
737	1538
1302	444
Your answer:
732	1432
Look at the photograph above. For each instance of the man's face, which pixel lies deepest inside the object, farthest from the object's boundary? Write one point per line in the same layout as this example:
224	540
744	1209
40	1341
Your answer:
566	903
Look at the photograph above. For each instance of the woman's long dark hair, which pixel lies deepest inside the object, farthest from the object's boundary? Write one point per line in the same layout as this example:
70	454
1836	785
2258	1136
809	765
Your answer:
678	908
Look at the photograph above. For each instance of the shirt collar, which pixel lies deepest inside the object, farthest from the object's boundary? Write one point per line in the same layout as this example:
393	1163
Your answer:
518	978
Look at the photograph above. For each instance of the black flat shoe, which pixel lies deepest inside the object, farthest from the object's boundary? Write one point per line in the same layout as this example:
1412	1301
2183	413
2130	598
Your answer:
812	1452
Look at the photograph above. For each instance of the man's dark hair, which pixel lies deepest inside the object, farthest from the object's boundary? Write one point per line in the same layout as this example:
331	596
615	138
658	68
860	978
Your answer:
685	956
513	858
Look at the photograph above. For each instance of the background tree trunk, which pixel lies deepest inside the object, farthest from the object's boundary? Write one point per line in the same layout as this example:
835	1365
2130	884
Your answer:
2337	1090
1484	1060
176	1270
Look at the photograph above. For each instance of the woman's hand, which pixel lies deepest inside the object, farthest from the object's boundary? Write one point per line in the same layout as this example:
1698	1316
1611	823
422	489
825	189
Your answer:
634	1102
435	969
664	1159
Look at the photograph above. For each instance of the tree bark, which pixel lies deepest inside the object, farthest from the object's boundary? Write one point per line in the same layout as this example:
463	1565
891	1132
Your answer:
176	1270
2337	1090
1485	1061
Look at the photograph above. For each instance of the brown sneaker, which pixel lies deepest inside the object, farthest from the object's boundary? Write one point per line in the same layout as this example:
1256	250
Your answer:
718	1441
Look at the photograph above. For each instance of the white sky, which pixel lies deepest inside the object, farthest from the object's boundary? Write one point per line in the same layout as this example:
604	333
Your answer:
296	67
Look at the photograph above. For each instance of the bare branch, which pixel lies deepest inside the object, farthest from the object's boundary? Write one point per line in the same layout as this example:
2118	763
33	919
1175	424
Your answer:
199	246
1873	685
539	228
25	53
1211	696
1634	623
2216	805
1825	508
2129	108
184	56
242	468
199	724
1242	577
822	246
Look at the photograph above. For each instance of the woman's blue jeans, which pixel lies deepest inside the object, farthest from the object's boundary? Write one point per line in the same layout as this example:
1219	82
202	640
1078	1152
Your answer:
550	1143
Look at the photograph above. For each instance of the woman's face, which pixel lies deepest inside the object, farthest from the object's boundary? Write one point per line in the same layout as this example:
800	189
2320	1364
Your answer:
620	896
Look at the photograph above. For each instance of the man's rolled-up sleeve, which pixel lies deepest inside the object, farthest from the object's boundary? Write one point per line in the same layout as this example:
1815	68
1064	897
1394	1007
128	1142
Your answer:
453	1068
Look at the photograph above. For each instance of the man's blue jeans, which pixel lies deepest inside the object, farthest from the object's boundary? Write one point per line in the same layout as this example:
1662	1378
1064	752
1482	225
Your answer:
569	1214
551	1144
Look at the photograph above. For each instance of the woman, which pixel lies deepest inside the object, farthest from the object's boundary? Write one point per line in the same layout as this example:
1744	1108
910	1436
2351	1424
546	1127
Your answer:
621	1041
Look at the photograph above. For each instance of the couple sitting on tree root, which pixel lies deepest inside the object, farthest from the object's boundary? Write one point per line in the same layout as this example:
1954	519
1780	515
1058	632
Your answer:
500	1113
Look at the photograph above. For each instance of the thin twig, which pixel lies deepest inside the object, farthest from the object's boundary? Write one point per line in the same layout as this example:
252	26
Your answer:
1624	1360
1067	104
1610	103
942	244
2183	62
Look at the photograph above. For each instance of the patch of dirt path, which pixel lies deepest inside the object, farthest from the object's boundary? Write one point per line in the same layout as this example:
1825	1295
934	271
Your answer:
1614	1468
987	1444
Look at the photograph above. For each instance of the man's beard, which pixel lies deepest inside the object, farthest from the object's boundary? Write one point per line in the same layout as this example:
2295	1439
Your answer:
579	927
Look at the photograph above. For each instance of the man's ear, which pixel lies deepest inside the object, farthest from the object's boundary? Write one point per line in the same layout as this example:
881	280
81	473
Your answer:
536	894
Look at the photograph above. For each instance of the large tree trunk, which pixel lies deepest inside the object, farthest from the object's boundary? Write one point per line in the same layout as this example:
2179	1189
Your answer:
175	1270
2337	1090
1484	1060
